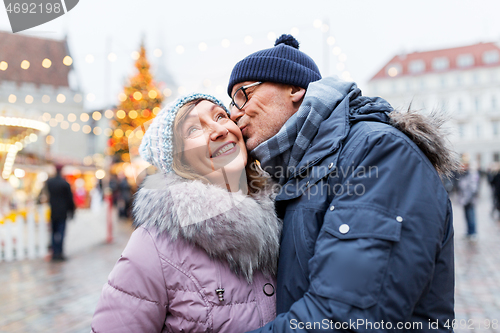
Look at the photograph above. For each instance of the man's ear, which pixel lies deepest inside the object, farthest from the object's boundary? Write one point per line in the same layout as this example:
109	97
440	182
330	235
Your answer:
297	94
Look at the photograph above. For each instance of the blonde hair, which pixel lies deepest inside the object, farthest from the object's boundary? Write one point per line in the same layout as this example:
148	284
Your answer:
256	178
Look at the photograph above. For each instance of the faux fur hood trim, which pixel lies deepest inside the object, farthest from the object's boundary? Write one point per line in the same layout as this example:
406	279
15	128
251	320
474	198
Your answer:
429	134
242	230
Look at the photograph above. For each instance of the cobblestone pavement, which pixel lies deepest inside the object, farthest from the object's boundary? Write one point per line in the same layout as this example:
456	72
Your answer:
40	296
60	297
477	269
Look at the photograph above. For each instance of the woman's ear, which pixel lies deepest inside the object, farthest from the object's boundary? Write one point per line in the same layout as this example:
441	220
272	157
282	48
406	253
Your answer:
297	93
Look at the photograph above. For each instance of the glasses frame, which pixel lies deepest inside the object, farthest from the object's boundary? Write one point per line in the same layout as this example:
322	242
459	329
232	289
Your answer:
243	89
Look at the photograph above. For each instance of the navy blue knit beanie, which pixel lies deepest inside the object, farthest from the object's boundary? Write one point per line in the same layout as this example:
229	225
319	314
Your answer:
283	63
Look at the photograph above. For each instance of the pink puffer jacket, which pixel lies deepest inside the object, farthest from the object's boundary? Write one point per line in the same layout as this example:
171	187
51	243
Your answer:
201	260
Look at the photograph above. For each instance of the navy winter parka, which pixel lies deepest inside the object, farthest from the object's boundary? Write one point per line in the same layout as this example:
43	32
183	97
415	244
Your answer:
367	242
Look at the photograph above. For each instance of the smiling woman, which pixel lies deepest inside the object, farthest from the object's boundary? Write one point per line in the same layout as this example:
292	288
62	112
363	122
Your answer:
204	255
207	144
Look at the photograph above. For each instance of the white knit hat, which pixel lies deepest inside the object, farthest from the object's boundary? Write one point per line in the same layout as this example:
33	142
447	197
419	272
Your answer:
157	144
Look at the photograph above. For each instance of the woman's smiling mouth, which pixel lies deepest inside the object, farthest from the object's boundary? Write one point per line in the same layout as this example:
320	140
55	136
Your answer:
225	149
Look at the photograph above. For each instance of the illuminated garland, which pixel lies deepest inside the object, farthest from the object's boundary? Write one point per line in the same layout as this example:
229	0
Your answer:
181	49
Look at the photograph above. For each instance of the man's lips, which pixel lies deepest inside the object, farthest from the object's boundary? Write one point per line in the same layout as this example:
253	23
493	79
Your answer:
242	128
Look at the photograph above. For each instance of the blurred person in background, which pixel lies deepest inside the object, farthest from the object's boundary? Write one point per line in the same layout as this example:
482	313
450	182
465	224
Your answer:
95	198
124	199
468	189
62	207
113	186
494	180
204	255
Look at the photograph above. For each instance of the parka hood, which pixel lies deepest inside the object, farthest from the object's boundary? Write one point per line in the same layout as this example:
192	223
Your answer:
240	229
429	134
427	131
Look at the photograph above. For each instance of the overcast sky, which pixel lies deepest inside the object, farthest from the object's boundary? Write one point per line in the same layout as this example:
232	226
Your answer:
368	33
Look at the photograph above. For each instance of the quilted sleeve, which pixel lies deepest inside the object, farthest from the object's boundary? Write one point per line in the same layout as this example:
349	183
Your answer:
134	298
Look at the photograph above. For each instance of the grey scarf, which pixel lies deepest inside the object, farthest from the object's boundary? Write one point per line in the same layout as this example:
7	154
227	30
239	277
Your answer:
281	154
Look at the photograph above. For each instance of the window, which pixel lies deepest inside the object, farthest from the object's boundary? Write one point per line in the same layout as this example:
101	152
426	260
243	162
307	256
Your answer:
422	84
465	60
478	131
475	78
491	57
477	103
416	66
496	128
459	106
439	64
493	103
443	82
461	131
459	80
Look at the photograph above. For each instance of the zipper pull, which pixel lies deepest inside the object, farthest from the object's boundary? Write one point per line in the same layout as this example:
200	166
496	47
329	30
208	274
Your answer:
220	293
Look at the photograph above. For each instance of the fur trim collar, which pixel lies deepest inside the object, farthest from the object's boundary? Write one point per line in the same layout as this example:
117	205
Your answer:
429	134
240	229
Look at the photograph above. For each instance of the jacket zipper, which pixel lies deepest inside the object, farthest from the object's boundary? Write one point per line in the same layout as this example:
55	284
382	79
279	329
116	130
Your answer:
219	291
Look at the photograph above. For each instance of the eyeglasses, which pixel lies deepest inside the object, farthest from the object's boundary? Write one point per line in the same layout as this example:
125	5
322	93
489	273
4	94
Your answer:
240	97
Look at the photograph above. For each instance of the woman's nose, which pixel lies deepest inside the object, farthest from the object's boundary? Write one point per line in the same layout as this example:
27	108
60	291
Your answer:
218	131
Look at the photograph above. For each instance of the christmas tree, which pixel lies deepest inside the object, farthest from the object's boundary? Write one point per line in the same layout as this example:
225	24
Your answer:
139	103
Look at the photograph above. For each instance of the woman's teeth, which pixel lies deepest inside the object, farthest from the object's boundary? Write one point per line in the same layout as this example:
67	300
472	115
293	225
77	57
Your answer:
224	149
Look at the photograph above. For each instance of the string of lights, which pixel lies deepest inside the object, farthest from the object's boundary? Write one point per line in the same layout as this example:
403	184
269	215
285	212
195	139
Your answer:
181	49
89	122
71	121
81	123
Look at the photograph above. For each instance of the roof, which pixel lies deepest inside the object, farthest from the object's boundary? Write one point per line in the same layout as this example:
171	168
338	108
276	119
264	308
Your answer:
401	63
14	48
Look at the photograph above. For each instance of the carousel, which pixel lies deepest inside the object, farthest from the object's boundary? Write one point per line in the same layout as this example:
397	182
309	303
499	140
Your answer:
23	169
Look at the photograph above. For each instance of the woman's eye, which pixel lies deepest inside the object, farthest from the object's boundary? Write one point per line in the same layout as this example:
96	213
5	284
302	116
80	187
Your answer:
191	130
220	116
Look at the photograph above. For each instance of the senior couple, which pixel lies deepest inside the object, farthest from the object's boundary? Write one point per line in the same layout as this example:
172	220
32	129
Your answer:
304	206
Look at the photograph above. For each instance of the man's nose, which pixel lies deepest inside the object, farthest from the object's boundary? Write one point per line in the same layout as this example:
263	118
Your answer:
236	114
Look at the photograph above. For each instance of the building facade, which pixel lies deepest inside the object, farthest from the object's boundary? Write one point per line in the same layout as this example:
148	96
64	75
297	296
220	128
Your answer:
37	81
43	121
462	81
